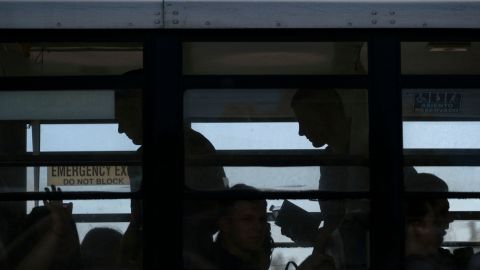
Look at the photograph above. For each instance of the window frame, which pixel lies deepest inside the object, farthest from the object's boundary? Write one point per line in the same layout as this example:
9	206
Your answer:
163	55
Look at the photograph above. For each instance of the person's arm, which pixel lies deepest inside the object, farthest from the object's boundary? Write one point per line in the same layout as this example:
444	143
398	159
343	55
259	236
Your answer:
41	256
59	227
317	261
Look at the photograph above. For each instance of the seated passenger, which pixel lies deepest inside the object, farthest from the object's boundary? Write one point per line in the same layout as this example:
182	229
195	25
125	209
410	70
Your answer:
200	216
100	249
427	221
245	242
48	240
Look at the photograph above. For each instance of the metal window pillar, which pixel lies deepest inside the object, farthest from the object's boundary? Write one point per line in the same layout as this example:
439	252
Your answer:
385	115
163	152
36	151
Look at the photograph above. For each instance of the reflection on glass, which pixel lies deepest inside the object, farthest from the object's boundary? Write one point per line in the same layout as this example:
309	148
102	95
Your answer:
275	58
440	57
276	231
62	59
52	235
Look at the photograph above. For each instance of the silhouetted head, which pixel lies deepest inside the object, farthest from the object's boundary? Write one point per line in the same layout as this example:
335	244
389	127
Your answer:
100	248
321	118
427	219
244	230
128	111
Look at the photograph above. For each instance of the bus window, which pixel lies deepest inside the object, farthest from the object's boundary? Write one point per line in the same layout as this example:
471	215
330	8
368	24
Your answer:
68	59
237	58
440	57
93	233
290	230
248	129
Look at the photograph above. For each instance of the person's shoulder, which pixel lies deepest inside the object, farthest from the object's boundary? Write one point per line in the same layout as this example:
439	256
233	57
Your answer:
196	143
418	264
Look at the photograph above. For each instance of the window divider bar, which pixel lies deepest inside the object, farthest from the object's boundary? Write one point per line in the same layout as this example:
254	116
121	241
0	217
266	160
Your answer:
275	195
444	244
69	159
280	158
386	152
62	83
163	148
31	196
274	81
465	215
455	215
439	81
442	195
101	218
36	139
442	157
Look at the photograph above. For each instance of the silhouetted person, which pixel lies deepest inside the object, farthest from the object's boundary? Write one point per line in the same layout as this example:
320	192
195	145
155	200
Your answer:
100	249
322	118
427	221
201	177
128	113
48	240
200	216
244	240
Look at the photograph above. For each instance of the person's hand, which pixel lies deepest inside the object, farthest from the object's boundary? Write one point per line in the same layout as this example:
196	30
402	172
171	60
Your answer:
60	213
317	261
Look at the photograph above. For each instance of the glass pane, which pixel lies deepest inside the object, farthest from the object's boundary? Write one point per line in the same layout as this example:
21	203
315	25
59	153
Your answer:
104	120
441	135
63	59
253	126
441	118
440	57
276	231
97	123
202	58
337	118
253	136
33	235
458	179
84	137
306	178
442	232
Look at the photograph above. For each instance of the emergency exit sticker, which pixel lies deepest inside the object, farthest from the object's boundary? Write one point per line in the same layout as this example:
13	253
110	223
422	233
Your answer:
87	175
437	102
